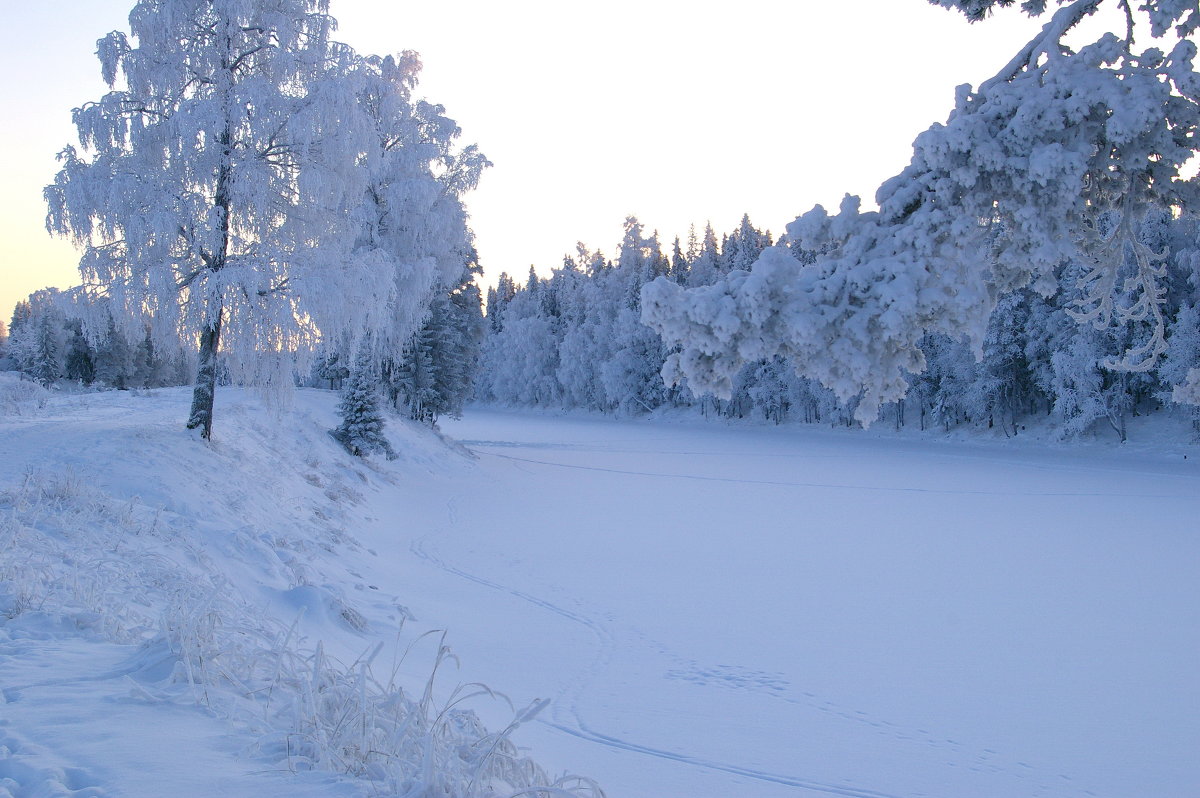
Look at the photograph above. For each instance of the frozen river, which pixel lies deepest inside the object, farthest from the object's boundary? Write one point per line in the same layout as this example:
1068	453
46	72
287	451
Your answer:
722	612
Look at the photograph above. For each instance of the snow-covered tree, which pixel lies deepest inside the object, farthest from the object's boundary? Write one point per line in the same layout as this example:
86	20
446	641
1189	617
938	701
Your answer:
1063	155
1081	393
330	370
679	261
20	316
113	359
81	361
745	245
1182	367
39	341
705	265
150	369
1183	353
252	187
1003	385
498	299
413	225
361	430
436	373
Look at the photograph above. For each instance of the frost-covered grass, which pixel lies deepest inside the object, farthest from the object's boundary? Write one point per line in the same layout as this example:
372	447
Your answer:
221	569
20	396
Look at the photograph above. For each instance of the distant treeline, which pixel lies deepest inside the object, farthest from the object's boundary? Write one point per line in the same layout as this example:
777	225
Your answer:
575	340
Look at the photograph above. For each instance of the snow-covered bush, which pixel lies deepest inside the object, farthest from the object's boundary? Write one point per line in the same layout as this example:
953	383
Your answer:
19	397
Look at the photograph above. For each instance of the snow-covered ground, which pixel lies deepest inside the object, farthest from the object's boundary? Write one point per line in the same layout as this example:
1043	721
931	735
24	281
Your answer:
712	611
191	620
763	611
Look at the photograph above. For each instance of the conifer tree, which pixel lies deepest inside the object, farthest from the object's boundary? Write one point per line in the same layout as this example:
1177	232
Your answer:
46	352
435	374
413	380
81	365
498	299
679	262
361	430
705	267
39	341
149	370
114	359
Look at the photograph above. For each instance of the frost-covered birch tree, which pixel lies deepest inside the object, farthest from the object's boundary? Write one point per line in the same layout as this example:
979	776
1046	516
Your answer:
1061	156
412	224
222	187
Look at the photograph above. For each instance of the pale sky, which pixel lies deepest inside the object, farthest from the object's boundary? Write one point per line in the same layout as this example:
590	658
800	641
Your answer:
677	112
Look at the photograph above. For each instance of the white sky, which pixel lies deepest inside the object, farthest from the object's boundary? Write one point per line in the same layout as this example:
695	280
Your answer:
677	112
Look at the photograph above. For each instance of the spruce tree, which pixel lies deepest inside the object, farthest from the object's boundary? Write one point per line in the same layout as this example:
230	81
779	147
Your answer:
361	430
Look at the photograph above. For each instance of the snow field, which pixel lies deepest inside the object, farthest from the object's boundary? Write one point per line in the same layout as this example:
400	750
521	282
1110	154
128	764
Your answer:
774	611
679	609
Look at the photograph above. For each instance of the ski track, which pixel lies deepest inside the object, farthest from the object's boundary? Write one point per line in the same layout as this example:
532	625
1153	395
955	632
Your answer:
577	727
566	715
605	646
583	731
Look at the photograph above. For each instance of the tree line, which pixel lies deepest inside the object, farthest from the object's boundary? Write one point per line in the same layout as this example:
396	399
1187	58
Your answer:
270	206
1048	177
49	341
574	340
64	337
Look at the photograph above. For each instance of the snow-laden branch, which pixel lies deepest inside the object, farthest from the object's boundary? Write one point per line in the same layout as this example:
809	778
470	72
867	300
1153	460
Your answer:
1048	42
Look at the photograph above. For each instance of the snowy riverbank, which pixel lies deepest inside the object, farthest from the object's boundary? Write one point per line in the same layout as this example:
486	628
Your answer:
197	619
711	610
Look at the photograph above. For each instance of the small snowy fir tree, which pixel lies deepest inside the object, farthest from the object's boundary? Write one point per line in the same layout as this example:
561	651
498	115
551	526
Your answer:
361	430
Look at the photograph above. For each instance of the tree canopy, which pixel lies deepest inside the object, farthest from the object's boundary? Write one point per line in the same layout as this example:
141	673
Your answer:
1061	157
254	187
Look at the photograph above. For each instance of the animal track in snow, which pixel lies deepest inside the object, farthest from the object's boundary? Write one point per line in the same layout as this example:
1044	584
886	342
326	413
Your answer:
733	677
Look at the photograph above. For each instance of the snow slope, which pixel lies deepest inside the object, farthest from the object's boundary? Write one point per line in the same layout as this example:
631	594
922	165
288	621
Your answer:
712	612
194	620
